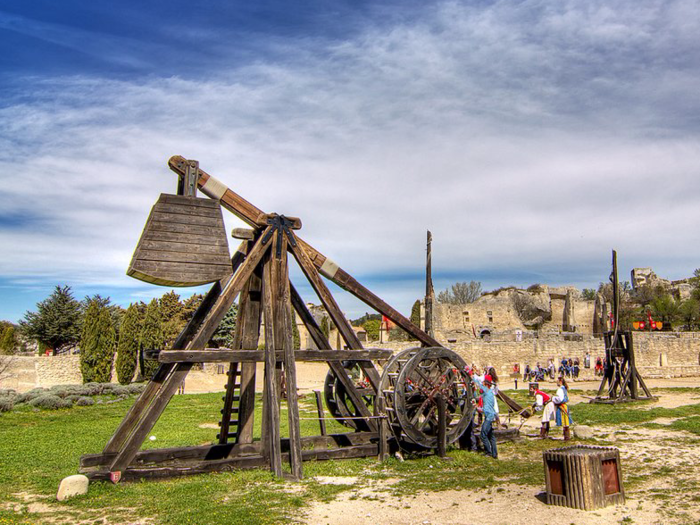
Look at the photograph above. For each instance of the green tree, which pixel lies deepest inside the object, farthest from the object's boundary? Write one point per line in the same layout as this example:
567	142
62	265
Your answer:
56	324
190	305
689	312
588	294
461	293
97	344
371	326
128	347
325	326
295	332
415	314
9	343
152	338
223	336
171	310
665	308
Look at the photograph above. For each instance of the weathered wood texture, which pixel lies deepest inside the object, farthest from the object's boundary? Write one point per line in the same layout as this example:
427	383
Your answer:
226	355
257	218
185	468
583	477
183	243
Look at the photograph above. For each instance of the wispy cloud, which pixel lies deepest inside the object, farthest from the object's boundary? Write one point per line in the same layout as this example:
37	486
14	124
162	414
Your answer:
530	137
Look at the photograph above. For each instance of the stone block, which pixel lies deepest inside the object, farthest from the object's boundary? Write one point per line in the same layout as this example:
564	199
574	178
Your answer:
72	486
583	432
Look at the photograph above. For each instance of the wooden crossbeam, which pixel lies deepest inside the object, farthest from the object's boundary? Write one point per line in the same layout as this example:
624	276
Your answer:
228	355
255	217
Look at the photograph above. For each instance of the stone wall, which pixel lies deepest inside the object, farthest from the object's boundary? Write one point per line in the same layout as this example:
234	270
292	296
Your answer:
662	354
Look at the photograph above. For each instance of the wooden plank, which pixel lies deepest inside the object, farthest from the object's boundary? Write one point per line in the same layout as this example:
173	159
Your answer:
186	210
230	464
169	198
442	427
271	415
198	239
183	246
284	341
192	220
227	355
249	339
190	259
216	451
173	227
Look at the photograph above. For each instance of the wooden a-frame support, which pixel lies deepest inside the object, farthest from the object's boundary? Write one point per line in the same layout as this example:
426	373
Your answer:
261	278
621	379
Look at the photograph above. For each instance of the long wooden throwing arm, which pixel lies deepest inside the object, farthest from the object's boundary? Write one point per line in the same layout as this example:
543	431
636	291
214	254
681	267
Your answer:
215	189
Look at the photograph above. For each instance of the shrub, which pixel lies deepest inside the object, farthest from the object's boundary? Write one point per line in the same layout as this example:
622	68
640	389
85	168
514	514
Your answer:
29	396
128	347
50	401
97	343
84	401
4	392
7	403
136	388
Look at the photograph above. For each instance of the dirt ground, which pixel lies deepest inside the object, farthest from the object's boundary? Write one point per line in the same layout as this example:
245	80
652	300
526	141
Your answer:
654	502
650	503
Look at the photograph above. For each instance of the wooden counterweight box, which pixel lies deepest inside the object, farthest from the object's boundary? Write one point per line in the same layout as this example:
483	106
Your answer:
583	477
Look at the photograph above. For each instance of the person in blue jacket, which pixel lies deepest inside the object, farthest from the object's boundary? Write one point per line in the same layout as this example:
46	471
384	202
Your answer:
488	437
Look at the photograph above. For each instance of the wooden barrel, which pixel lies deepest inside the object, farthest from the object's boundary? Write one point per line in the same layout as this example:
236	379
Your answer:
583	477
183	243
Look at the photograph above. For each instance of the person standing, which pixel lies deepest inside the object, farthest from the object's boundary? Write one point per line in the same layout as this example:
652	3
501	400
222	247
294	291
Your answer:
541	400
558	409
488	438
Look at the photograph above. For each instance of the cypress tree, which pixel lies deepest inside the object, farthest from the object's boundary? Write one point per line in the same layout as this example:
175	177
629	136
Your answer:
97	344
223	336
295	331
128	347
152	338
415	315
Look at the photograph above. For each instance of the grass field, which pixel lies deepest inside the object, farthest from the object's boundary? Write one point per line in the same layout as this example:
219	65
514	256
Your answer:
40	447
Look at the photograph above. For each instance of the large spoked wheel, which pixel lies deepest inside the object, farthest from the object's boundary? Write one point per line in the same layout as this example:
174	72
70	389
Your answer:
339	403
412	382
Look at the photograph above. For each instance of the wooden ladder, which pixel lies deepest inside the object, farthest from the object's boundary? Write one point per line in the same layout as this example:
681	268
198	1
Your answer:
229	424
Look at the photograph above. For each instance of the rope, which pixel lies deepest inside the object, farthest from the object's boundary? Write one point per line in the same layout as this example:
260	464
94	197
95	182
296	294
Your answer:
340	418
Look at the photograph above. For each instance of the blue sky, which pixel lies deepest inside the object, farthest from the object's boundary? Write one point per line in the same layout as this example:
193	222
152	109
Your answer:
531	137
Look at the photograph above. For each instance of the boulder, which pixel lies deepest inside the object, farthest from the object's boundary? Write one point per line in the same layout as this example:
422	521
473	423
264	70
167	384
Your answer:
72	486
583	432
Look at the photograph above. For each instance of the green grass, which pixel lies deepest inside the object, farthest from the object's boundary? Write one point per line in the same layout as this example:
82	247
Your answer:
40	447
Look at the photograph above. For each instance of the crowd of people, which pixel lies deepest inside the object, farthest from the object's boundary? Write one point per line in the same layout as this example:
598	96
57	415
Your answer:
568	367
554	408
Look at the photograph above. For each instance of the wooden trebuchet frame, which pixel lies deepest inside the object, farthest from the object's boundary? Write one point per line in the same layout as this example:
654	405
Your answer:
260	276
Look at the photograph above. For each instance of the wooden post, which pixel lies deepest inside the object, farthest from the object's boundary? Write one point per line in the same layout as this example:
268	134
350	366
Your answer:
272	448
321	414
284	341
380	411
442	426
429	290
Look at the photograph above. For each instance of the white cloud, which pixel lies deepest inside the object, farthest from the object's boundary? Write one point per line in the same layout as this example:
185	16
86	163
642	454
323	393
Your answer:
523	135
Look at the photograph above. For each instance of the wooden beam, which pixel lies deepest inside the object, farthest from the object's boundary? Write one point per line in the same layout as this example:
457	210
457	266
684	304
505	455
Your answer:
227	355
271	410
257	218
284	341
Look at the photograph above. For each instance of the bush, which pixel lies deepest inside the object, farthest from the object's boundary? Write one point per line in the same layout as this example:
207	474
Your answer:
84	401
136	388
7	403
5	392
29	396
128	347
50	401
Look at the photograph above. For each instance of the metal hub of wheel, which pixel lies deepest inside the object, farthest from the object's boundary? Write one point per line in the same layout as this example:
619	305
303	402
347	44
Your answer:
411	383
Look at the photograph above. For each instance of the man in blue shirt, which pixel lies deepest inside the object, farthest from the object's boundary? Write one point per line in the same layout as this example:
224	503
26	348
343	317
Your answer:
488	437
